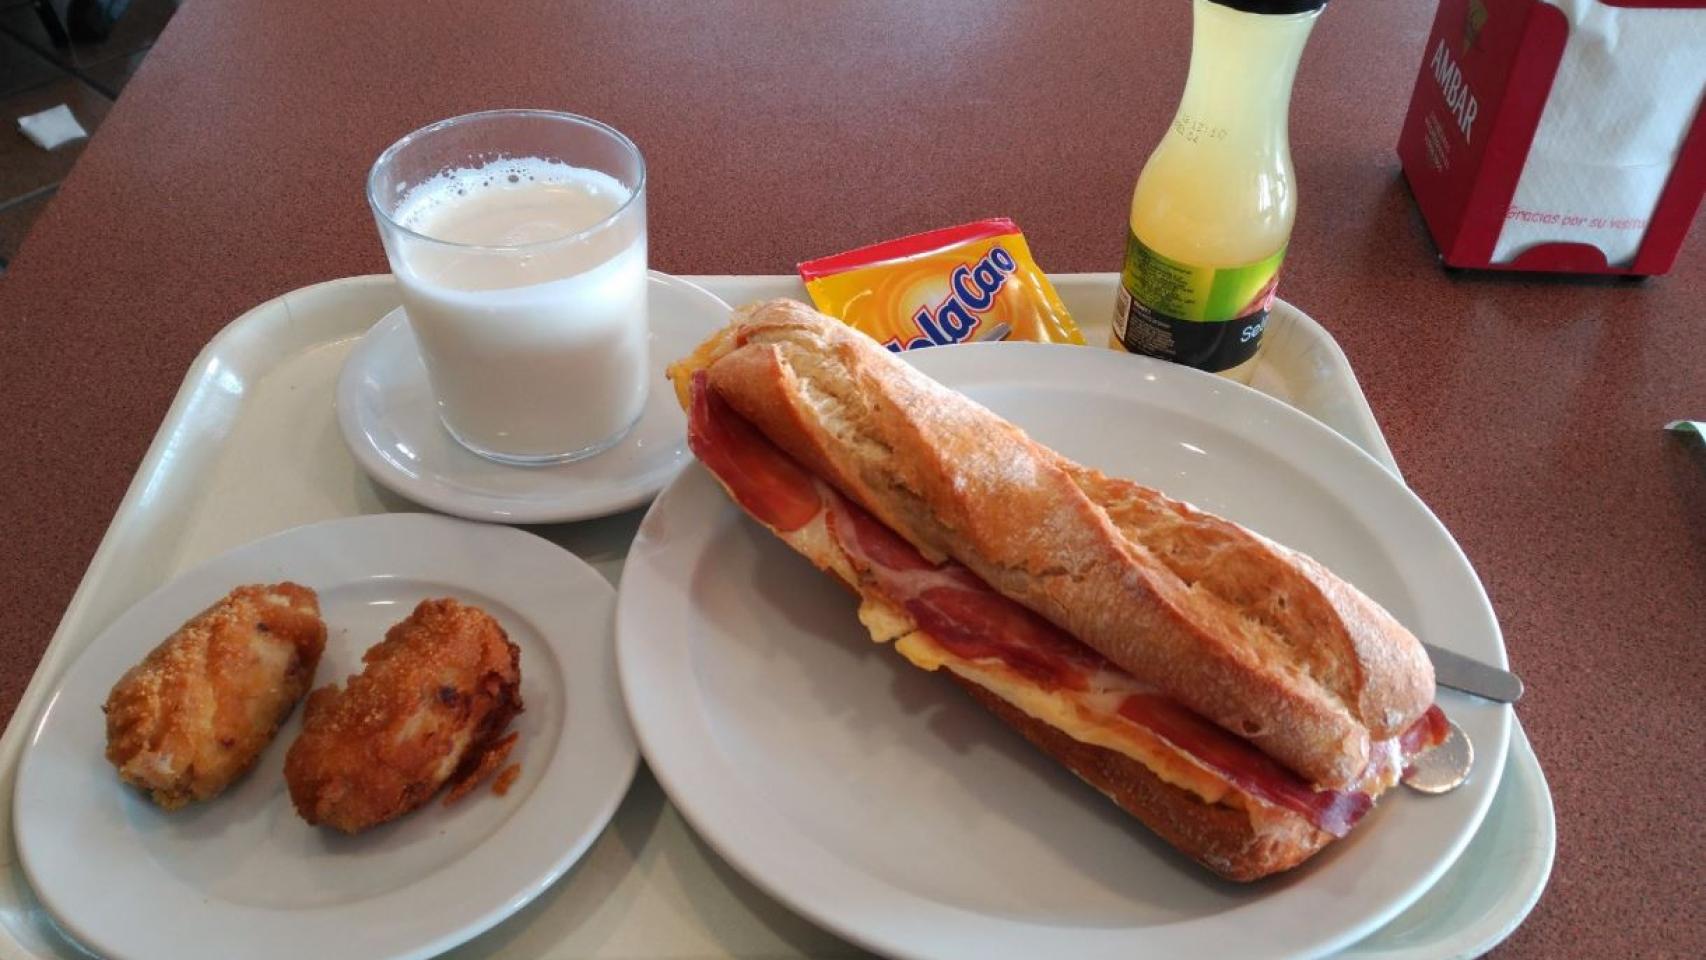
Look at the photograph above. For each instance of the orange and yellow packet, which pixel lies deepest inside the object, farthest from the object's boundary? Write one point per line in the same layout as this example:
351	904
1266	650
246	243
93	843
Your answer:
961	284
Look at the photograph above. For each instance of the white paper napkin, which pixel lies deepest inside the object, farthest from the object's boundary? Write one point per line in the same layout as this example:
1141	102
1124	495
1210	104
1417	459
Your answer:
52	128
1627	89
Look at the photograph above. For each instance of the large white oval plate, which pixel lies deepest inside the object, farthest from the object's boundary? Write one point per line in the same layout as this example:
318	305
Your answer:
243	876
880	802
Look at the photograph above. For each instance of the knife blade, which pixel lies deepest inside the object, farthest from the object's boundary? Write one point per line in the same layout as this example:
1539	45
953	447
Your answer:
1469	675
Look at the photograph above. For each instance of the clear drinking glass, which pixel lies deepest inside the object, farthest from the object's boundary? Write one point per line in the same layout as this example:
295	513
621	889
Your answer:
518	240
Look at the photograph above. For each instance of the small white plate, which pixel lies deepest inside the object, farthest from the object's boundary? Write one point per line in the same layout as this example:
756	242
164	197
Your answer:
389	420
878	801
243	876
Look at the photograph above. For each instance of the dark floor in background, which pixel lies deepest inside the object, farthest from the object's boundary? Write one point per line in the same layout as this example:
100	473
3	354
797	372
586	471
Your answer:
35	75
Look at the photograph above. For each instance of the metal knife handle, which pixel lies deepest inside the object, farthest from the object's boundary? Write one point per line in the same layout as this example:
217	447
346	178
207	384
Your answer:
1459	672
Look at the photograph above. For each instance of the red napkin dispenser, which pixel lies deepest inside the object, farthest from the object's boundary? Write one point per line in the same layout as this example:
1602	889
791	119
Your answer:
1486	77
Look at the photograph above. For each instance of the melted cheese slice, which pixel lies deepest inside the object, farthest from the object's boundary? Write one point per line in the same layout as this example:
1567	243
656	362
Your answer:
1089	716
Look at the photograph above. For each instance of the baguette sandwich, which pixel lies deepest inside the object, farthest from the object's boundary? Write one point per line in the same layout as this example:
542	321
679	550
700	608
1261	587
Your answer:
1232	694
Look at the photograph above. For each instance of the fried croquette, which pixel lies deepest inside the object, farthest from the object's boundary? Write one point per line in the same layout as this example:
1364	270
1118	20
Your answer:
432	701
490	761
196	713
506	778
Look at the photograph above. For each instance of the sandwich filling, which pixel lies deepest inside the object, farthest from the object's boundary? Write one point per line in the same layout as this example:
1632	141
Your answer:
944	616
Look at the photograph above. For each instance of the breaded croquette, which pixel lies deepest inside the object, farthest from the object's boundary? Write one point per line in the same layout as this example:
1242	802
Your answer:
432	701
198	710
470	777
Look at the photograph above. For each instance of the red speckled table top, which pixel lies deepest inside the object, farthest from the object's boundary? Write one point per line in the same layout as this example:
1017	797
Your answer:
1526	412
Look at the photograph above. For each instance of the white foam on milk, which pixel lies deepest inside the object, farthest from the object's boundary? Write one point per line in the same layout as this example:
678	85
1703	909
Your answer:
468	204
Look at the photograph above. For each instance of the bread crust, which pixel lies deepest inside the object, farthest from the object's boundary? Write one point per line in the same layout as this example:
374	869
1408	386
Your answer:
1260	639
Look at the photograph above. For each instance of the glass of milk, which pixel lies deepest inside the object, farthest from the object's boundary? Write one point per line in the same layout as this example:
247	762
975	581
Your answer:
518	240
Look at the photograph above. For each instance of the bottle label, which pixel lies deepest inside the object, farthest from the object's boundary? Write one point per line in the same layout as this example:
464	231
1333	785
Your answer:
1203	317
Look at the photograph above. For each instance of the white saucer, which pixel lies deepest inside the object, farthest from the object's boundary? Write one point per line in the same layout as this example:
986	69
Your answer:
390	423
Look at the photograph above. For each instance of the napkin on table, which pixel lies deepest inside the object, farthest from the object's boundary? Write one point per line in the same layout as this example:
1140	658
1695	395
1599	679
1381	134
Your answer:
52	128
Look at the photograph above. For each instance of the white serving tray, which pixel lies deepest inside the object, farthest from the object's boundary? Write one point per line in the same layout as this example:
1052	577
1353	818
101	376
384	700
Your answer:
250	446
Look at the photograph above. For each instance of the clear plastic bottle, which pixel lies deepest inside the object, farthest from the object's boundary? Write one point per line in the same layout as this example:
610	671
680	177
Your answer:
1213	207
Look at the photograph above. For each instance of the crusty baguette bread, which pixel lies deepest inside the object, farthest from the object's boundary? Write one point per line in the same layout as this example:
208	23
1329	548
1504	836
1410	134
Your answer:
1166	787
1257	638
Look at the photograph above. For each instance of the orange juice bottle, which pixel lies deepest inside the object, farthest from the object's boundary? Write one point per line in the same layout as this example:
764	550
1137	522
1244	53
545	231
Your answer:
1213	207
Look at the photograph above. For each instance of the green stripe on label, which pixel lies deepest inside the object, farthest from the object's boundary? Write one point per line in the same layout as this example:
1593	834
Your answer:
1203	317
1191	292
